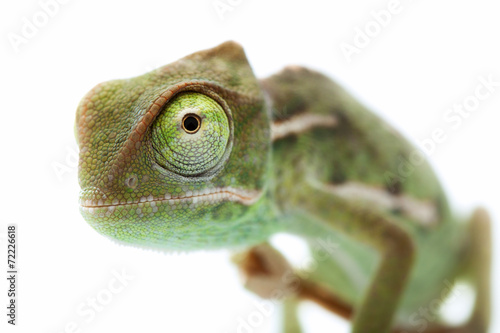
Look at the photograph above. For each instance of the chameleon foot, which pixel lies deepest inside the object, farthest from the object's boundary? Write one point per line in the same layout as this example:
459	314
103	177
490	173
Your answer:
266	272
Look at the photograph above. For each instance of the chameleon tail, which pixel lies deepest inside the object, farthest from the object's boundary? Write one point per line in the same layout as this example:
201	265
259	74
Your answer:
479	271
480	266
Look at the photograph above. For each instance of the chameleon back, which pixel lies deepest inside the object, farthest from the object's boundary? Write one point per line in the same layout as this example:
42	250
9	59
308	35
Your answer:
342	146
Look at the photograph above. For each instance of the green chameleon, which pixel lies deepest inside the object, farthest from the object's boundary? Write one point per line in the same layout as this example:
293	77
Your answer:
199	154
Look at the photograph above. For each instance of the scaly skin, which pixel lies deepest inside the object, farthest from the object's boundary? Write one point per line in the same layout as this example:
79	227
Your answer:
291	153
130	194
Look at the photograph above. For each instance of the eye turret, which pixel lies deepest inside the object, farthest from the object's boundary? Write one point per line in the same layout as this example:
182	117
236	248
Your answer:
191	134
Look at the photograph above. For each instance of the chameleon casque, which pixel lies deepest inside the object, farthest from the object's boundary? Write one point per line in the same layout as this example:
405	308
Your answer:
199	154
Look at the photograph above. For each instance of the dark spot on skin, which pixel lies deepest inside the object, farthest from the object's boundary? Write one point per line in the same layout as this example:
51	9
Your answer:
397	211
338	176
289	140
395	188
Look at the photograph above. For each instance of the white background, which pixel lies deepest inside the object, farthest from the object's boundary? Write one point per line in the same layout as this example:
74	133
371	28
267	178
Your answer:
426	59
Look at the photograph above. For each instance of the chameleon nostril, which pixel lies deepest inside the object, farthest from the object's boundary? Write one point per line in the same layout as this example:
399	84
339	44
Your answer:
131	181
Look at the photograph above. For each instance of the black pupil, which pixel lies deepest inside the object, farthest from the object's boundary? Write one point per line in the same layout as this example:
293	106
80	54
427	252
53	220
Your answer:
191	124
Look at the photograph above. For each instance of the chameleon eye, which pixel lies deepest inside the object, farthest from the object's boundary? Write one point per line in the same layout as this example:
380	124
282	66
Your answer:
190	135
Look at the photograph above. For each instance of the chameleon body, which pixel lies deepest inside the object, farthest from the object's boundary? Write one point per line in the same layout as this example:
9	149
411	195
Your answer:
199	154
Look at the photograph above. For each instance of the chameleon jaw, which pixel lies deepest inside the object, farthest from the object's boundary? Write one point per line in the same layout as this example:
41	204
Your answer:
208	196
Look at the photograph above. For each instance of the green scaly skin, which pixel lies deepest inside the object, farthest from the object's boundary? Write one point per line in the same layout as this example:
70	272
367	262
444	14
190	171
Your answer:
148	181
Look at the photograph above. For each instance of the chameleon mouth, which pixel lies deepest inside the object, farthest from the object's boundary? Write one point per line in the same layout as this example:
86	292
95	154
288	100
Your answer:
207	196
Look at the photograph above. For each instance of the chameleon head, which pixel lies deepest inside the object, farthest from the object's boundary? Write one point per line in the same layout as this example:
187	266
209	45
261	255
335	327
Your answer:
177	158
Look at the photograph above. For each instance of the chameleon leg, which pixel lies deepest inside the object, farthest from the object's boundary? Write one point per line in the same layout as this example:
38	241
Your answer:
376	310
268	274
326	298
291	323
261	265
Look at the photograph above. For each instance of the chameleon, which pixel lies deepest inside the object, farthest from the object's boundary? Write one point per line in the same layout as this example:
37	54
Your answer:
200	154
